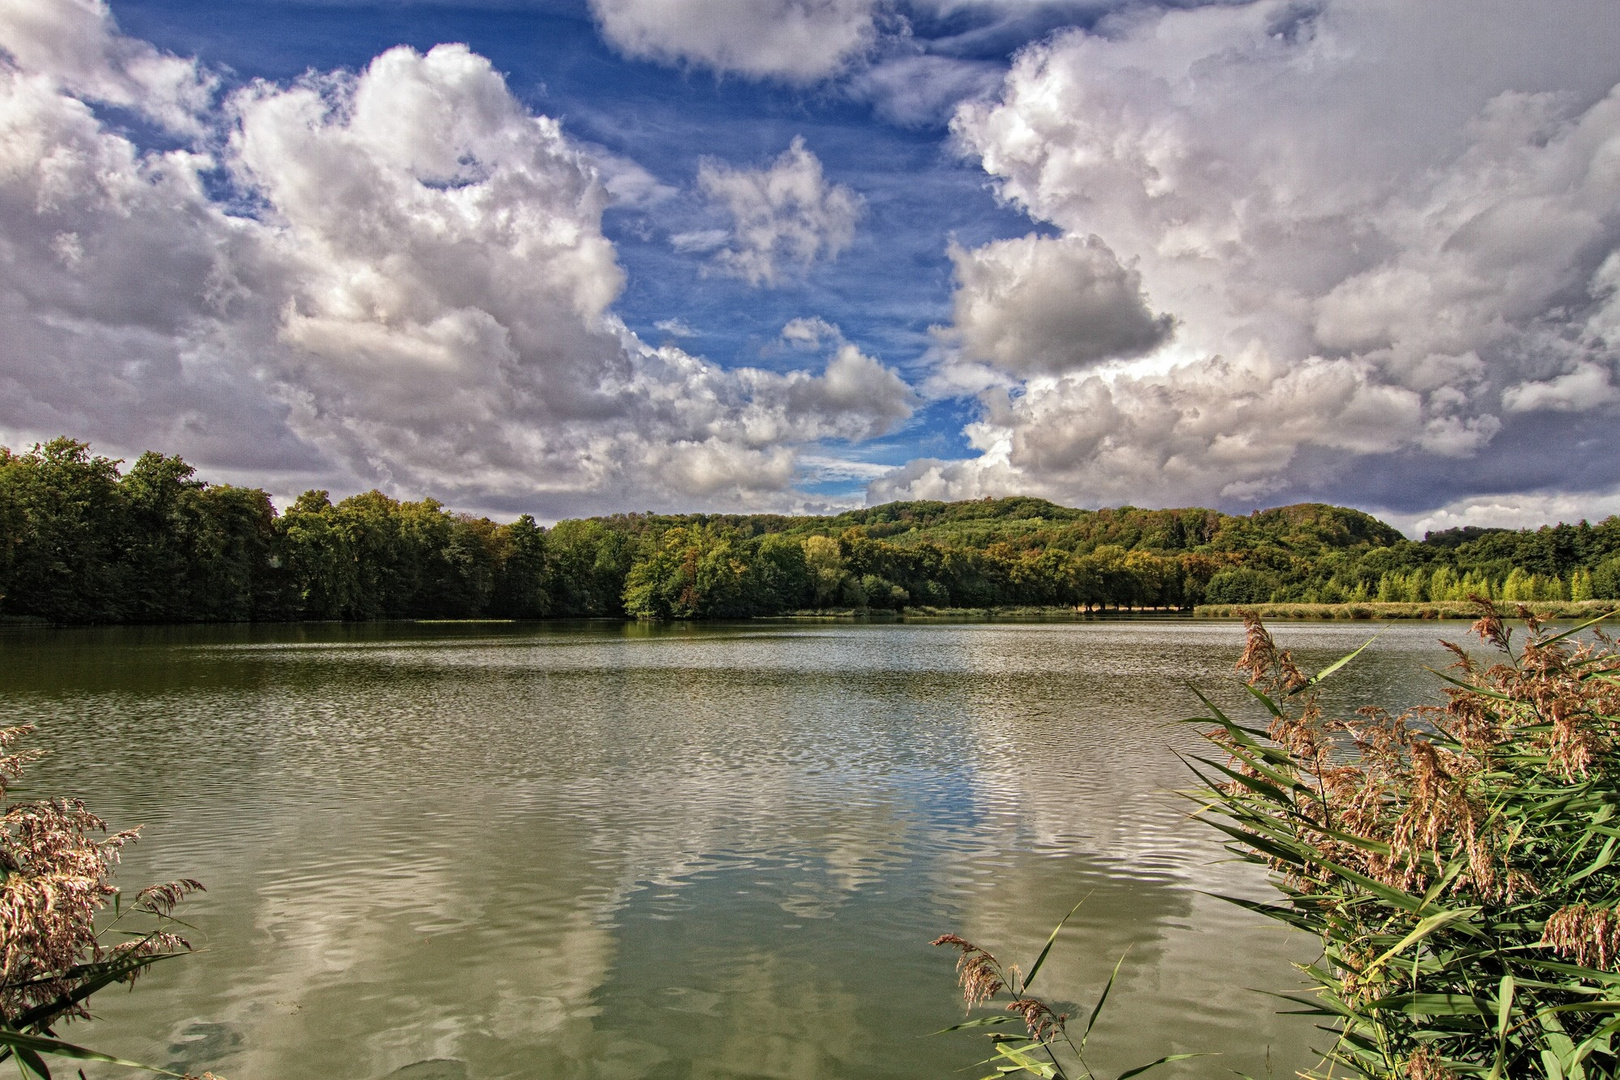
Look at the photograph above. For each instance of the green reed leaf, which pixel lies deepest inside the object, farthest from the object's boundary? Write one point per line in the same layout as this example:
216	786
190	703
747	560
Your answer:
22	1043
1103	1000
1316	680
1041	959
1423	929
1167	1059
1504	1012
979	1022
1575	629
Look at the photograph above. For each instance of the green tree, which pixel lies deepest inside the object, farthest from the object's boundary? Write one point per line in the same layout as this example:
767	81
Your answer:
319	559
65	520
522	576
781	575
589	567
1241	586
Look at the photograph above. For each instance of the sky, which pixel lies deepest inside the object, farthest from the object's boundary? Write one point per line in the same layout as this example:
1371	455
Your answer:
569	257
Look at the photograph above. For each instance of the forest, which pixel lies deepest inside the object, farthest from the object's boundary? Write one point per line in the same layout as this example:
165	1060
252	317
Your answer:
83	540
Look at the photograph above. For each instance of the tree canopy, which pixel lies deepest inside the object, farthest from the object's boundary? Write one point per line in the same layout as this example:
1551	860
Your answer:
83	541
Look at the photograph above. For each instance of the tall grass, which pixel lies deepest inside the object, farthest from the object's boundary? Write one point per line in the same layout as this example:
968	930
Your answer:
1456	862
65	932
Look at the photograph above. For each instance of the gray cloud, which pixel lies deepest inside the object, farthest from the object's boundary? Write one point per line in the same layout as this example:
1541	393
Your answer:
1051	305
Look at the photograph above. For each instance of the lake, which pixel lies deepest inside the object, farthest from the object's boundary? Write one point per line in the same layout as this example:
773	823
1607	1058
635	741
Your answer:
437	852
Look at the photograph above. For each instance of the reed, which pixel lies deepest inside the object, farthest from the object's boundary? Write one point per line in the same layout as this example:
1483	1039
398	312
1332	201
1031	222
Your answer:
1456	862
1028	1036
1381	609
65	931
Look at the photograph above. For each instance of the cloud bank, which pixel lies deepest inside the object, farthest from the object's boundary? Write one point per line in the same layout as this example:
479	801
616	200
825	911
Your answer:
1345	251
393	276
1358	251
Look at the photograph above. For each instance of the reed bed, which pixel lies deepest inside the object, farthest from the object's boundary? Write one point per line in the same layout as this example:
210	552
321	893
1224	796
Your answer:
1456	862
1373	609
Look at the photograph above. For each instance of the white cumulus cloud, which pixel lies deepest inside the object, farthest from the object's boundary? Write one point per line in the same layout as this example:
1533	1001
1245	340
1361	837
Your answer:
1386	235
797	41
74	44
783	217
810	331
1510	511
1587	387
418	295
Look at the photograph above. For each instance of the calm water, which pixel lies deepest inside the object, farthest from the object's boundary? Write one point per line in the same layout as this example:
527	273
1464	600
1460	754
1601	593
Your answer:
446	852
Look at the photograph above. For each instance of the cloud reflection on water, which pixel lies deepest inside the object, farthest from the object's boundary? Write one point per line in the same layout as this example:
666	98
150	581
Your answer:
695	851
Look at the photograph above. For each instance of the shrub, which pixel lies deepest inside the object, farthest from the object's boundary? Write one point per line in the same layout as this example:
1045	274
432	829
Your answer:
1457	861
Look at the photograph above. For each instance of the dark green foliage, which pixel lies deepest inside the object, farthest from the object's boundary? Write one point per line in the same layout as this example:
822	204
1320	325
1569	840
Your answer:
1241	586
191	550
81	543
520	586
62	514
588	566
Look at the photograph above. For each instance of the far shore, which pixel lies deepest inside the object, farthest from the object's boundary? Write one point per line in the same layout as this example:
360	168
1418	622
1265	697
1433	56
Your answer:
1373	609
1356	610
1364	610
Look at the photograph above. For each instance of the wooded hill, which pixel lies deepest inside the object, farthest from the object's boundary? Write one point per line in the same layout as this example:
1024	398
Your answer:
83	541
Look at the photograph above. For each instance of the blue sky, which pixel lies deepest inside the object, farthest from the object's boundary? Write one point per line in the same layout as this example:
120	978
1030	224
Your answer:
571	258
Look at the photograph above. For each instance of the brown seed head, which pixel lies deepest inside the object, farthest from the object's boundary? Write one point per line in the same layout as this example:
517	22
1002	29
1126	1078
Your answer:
1039	1019
1588	935
1425	1064
977	971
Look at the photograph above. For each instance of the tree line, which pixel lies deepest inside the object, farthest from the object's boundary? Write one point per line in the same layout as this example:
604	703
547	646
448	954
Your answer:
83	541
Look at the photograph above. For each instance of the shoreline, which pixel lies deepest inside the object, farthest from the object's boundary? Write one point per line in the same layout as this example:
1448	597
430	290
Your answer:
1366	610
1376	609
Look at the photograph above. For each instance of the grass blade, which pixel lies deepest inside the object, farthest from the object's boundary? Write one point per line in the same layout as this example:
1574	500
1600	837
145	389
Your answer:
1577	629
1101	1001
1421	931
1167	1059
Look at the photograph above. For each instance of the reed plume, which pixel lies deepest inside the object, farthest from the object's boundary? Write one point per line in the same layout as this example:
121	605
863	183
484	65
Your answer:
56	882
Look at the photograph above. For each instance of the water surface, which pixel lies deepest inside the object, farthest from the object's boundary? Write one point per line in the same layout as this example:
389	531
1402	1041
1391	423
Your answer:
438	852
